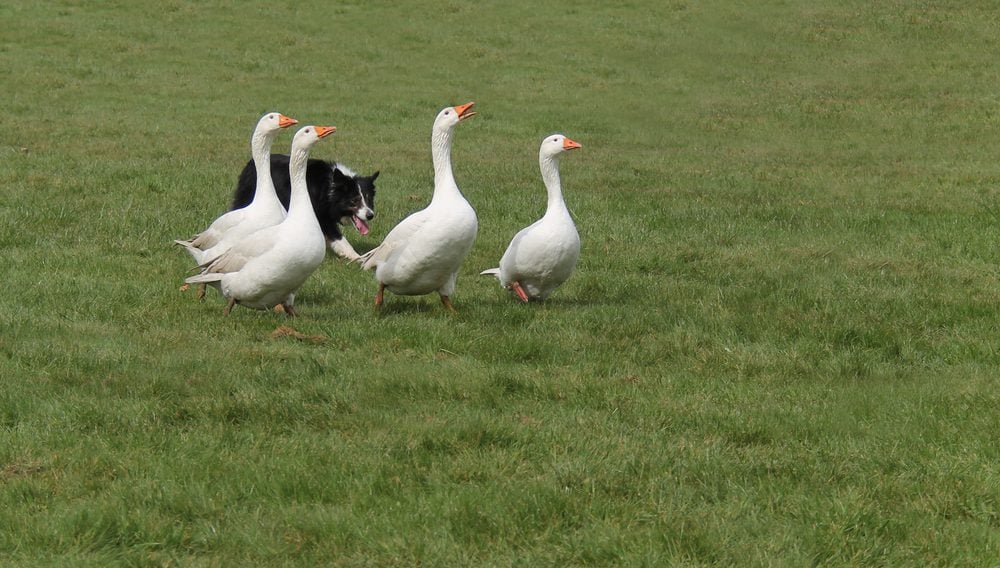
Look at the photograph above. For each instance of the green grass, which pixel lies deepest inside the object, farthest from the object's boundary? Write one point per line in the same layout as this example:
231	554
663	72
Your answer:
780	346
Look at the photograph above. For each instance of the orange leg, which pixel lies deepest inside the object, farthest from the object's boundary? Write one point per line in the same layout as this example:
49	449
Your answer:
185	287
229	306
519	291
201	291
379	299
447	303
289	310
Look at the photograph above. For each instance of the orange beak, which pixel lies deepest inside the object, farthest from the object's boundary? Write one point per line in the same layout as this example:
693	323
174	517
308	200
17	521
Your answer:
570	145
285	121
323	131
463	111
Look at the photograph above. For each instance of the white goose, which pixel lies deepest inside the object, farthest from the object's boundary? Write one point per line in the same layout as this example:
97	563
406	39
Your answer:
423	252
543	255
266	268
265	209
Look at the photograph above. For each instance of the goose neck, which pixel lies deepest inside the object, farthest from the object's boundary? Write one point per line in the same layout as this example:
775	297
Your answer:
260	147
444	177
299	202
549	166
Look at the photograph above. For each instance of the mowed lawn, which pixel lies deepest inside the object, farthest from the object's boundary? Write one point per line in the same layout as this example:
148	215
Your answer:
780	346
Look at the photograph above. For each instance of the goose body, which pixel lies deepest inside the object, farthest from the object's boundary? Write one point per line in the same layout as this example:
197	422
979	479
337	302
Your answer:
422	254
266	268
543	255
264	211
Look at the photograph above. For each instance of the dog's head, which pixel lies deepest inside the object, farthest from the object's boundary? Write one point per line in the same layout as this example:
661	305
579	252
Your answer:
352	198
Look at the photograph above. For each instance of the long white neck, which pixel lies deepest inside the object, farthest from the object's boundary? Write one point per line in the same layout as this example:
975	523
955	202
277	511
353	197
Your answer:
549	165
300	208
260	147
444	178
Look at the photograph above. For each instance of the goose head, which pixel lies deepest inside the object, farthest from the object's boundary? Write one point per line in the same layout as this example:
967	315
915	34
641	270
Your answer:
450	116
556	144
272	122
309	135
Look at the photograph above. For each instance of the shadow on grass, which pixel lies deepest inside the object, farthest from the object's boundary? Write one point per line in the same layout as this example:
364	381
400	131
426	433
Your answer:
410	305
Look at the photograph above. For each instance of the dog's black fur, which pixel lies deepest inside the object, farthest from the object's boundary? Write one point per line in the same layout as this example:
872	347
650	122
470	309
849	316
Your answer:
338	195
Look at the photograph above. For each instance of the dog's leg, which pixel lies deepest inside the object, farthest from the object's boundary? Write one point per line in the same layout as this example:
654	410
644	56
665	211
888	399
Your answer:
342	248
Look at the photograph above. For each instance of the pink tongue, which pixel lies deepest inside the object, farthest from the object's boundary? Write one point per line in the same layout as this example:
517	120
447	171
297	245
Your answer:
360	225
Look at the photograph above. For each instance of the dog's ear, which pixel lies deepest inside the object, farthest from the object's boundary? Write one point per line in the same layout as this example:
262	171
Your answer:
339	176
374	175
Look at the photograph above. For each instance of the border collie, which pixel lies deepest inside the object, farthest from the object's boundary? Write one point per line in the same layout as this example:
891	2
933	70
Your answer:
337	195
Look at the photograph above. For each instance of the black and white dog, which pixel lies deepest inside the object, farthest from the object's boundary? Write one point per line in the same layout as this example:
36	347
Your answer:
337	195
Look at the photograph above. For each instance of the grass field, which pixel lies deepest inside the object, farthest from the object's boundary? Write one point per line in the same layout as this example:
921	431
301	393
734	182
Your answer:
780	346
